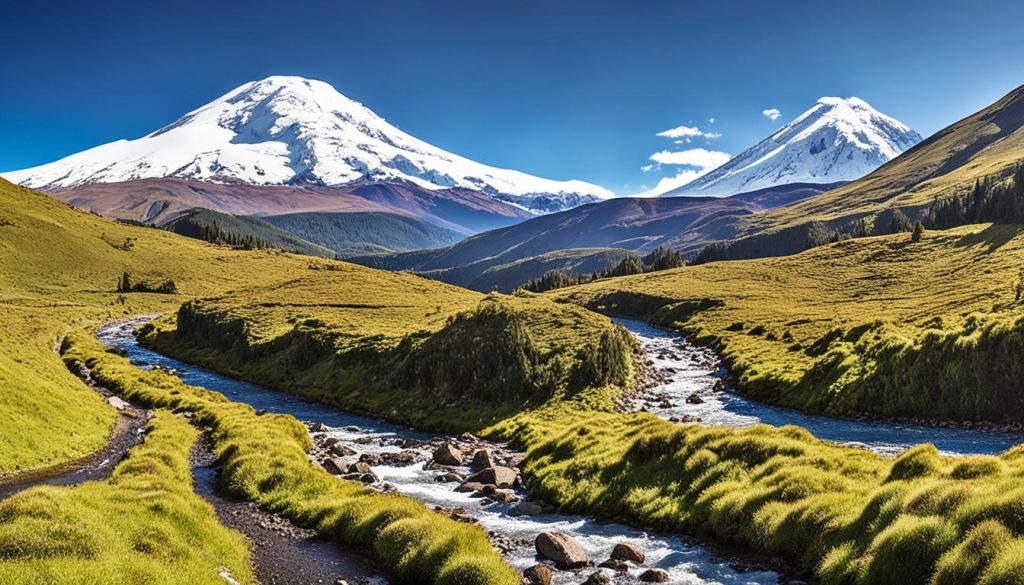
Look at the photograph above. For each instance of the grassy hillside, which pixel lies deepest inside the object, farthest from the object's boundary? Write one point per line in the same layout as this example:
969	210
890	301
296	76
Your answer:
855	517
878	325
350	234
243	231
59	269
987	144
407	348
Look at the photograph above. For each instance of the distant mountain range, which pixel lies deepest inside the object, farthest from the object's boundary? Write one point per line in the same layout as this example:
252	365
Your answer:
297	132
589	237
837	140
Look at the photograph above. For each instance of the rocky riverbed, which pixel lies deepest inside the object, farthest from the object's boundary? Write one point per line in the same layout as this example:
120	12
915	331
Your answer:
478	481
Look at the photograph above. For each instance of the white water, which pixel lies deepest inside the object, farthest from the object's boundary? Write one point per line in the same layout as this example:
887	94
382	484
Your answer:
688	562
690	369
687	369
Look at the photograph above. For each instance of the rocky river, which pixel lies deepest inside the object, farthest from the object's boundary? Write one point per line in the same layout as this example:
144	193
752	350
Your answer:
439	470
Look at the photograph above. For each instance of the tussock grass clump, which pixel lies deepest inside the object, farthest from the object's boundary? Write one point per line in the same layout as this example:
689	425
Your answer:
265	461
855	516
142	525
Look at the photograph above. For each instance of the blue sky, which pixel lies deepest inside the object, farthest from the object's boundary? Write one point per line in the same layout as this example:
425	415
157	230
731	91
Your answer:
562	89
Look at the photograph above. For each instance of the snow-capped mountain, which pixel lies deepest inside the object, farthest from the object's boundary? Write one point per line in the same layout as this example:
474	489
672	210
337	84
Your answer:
290	130
836	140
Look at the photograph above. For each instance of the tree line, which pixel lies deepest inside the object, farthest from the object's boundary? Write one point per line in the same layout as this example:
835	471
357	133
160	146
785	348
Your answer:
215	234
989	201
660	259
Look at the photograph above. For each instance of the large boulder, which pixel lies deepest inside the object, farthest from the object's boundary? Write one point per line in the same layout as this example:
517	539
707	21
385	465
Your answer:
628	552
336	466
538	575
448	455
482	459
563	550
469	486
598	578
504	477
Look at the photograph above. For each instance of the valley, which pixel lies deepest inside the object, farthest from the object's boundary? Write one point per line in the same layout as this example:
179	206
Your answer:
668	316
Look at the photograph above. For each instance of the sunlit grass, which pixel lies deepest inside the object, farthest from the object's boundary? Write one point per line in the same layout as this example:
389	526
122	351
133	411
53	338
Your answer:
142	525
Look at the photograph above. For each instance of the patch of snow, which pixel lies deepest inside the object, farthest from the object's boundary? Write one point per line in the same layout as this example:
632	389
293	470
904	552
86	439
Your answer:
838	139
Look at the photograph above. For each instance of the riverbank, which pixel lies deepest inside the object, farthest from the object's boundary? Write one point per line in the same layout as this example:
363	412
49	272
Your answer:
282	553
686	559
140	525
265	461
127	433
876	326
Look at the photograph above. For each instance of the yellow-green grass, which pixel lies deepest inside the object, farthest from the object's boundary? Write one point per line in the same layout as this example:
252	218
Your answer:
142	525
58	270
265	460
878	325
414	350
854	516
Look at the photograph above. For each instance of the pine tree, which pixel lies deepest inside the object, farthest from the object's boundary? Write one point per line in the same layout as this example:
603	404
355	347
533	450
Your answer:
918	232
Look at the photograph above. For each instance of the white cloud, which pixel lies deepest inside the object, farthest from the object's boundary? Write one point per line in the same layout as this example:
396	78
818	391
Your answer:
666	184
694	157
688	132
647	168
700	161
771	113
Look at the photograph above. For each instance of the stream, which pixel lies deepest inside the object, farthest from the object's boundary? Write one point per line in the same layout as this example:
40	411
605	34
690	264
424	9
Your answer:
685	370
688	369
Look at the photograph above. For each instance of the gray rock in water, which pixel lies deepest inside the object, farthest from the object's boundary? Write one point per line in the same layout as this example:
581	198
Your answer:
654	576
360	467
335	466
482	459
598	578
449	477
562	549
526	509
341	450
538	575
499	476
628	552
448	455
694	399
504	496
614	565
469	486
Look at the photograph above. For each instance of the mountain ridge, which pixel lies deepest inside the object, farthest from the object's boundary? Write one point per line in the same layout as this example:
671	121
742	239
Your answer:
286	130
987	144
837	139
